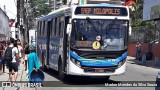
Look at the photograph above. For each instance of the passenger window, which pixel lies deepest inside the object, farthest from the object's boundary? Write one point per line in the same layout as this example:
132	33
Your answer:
57	26
61	26
45	29
53	28
38	27
39	31
42	28
50	28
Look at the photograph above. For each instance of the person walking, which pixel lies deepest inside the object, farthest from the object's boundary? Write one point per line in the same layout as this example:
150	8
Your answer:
12	57
7	45
1	50
20	50
0	66
4	46
138	51
26	52
33	61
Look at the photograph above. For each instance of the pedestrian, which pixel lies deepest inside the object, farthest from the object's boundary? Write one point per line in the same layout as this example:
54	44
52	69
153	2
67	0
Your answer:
26	52
12	57
138	51
3	55
0	66
33	61
20	50
1	58
7	45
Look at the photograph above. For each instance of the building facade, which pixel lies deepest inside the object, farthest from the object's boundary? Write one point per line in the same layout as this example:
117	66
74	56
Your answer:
151	12
4	26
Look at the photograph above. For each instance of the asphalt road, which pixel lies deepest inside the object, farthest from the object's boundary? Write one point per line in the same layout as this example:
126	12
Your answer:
138	75
134	74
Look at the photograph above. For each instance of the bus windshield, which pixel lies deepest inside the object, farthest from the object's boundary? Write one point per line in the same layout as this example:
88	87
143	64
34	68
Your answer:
111	34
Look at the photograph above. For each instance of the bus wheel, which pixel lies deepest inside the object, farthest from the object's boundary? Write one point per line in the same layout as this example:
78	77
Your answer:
43	63
61	74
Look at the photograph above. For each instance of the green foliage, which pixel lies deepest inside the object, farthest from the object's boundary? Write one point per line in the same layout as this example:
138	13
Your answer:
138	23
40	8
136	15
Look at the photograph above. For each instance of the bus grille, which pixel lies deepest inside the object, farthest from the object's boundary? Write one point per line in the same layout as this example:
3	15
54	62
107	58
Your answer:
99	70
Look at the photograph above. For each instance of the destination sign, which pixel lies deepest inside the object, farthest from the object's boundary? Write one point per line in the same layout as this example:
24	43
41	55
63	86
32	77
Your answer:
107	11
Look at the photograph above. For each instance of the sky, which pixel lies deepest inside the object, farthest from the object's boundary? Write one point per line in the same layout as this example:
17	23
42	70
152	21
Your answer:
11	8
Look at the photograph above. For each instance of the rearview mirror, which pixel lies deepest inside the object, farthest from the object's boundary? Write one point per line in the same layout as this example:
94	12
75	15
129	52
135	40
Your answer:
69	28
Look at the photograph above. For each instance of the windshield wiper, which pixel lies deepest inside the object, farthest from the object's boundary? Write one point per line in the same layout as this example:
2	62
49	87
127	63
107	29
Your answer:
109	25
91	23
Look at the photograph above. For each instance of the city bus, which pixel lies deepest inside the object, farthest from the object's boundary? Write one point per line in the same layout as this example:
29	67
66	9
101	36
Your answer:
84	40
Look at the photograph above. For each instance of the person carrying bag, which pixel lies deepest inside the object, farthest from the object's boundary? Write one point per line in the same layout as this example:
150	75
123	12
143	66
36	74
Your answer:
34	73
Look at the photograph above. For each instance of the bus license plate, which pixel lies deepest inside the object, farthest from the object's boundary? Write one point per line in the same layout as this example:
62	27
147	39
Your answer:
99	70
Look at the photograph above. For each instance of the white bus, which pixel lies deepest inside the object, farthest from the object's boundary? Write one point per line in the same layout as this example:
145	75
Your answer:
86	40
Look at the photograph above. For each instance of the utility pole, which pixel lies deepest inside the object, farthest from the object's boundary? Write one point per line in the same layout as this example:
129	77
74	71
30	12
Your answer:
18	12
21	29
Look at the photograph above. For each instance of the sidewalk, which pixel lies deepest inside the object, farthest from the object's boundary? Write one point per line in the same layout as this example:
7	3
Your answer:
149	63
22	76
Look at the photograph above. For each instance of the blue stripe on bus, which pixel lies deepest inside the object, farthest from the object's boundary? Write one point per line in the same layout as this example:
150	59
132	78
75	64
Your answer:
98	62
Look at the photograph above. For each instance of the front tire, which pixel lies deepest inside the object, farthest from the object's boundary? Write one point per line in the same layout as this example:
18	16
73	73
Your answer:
43	63
61	74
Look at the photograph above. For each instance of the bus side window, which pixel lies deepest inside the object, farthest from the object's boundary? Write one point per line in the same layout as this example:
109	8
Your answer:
46	28
43	29
53	27
57	26
38	26
62	25
50	28
41	32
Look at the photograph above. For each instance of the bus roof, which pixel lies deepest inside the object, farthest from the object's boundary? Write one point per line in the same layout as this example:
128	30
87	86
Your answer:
54	13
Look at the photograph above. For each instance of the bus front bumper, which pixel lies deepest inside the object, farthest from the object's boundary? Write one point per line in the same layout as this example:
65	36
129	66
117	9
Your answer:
75	70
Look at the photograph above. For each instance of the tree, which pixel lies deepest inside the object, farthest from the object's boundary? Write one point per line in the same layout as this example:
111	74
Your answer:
137	21
40	8
136	15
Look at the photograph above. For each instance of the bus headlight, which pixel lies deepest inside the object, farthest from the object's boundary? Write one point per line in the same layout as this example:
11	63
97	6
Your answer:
121	63
76	62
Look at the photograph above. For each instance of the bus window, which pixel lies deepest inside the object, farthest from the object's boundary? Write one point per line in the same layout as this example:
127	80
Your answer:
61	26
46	28
53	28
57	26
50	28
39	29
42	27
38	24
62	29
